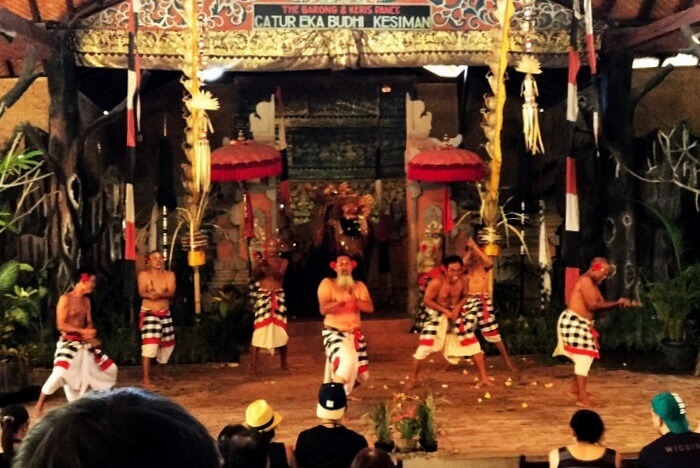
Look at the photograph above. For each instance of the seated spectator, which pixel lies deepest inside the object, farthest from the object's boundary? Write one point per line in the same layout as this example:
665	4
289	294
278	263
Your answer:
588	430
260	417
372	458
14	420
123	428
241	446
329	444
677	446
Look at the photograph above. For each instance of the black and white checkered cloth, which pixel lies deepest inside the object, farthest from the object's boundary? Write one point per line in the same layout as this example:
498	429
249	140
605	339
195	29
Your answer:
578	334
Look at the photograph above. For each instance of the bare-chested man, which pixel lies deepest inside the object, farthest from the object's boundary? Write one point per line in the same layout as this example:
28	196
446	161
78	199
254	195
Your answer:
577	339
269	305
156	288
445	329
479	305
341	301
79	363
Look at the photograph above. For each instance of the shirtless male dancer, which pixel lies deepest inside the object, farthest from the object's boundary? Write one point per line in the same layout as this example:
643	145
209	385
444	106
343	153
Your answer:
577	339
79	363
156	288
479	305
269	305
341	301
444	329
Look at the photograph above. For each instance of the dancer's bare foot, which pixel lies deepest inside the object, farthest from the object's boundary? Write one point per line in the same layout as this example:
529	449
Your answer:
354	398
575	394
484	383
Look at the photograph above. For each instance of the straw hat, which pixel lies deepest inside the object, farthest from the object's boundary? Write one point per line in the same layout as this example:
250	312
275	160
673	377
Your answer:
260	416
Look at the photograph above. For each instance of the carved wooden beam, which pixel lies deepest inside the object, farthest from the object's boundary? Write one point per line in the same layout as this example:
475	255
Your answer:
631	38
16	26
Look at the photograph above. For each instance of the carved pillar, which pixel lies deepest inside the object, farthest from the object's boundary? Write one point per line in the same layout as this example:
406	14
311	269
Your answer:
418	125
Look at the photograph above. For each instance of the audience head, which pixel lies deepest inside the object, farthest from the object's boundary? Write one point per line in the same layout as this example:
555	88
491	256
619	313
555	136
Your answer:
587	426
332	401
668	413
14	420
127	427
372	458
260	417
241	446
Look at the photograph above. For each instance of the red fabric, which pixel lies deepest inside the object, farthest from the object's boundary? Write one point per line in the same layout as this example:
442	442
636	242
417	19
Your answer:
246	171
249	231
446	165
271	321
574	65
448	223
243	160
585	352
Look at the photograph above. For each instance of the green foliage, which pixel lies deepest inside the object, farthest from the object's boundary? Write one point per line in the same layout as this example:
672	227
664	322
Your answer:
531	334
19	307
426	420
675	300
408	427
381	417
220	334
630	330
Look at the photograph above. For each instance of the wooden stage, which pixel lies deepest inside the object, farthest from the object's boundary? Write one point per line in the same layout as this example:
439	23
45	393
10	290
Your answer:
530	416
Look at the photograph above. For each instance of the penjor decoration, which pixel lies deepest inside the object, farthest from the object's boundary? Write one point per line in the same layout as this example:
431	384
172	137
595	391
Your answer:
198	171
493	123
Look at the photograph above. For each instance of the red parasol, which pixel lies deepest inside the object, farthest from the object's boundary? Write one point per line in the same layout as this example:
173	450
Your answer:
243	160
446	164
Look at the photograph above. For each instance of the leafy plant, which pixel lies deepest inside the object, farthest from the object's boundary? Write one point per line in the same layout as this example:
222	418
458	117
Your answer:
381	417
18	307
408	427
426	420
675	300
20	174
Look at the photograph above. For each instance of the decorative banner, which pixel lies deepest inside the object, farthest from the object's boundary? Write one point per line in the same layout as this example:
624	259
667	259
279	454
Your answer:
305	16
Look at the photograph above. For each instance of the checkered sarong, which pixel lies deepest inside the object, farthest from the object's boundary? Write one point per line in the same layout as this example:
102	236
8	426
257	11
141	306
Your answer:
157	328
577	335
431	327
332	341
270	317
479	310
270	307
69	345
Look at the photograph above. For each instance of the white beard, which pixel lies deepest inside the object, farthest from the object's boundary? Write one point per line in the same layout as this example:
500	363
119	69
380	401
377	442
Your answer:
345	281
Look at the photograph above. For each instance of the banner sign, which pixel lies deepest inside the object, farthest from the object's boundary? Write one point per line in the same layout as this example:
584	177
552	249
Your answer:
355	16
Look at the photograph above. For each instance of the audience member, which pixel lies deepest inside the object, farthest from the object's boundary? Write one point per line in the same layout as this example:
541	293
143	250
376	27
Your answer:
372	458
241	446
329	444
14	423
588	430
260	417
677	446
123	428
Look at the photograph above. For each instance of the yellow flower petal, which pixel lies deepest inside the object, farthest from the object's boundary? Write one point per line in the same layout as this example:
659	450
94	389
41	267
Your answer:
524	405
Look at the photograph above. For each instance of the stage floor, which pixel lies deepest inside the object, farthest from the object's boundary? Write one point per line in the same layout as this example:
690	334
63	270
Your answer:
529	417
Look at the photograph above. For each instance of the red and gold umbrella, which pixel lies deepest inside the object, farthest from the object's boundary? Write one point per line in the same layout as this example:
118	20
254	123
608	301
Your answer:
446	164
244	160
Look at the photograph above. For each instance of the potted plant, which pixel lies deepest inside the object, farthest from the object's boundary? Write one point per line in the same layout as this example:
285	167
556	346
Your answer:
408	428
426	422
18	306
675	300
381	417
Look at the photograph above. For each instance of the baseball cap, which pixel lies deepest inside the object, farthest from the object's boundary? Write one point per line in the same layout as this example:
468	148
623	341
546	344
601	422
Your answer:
332	401
671	409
